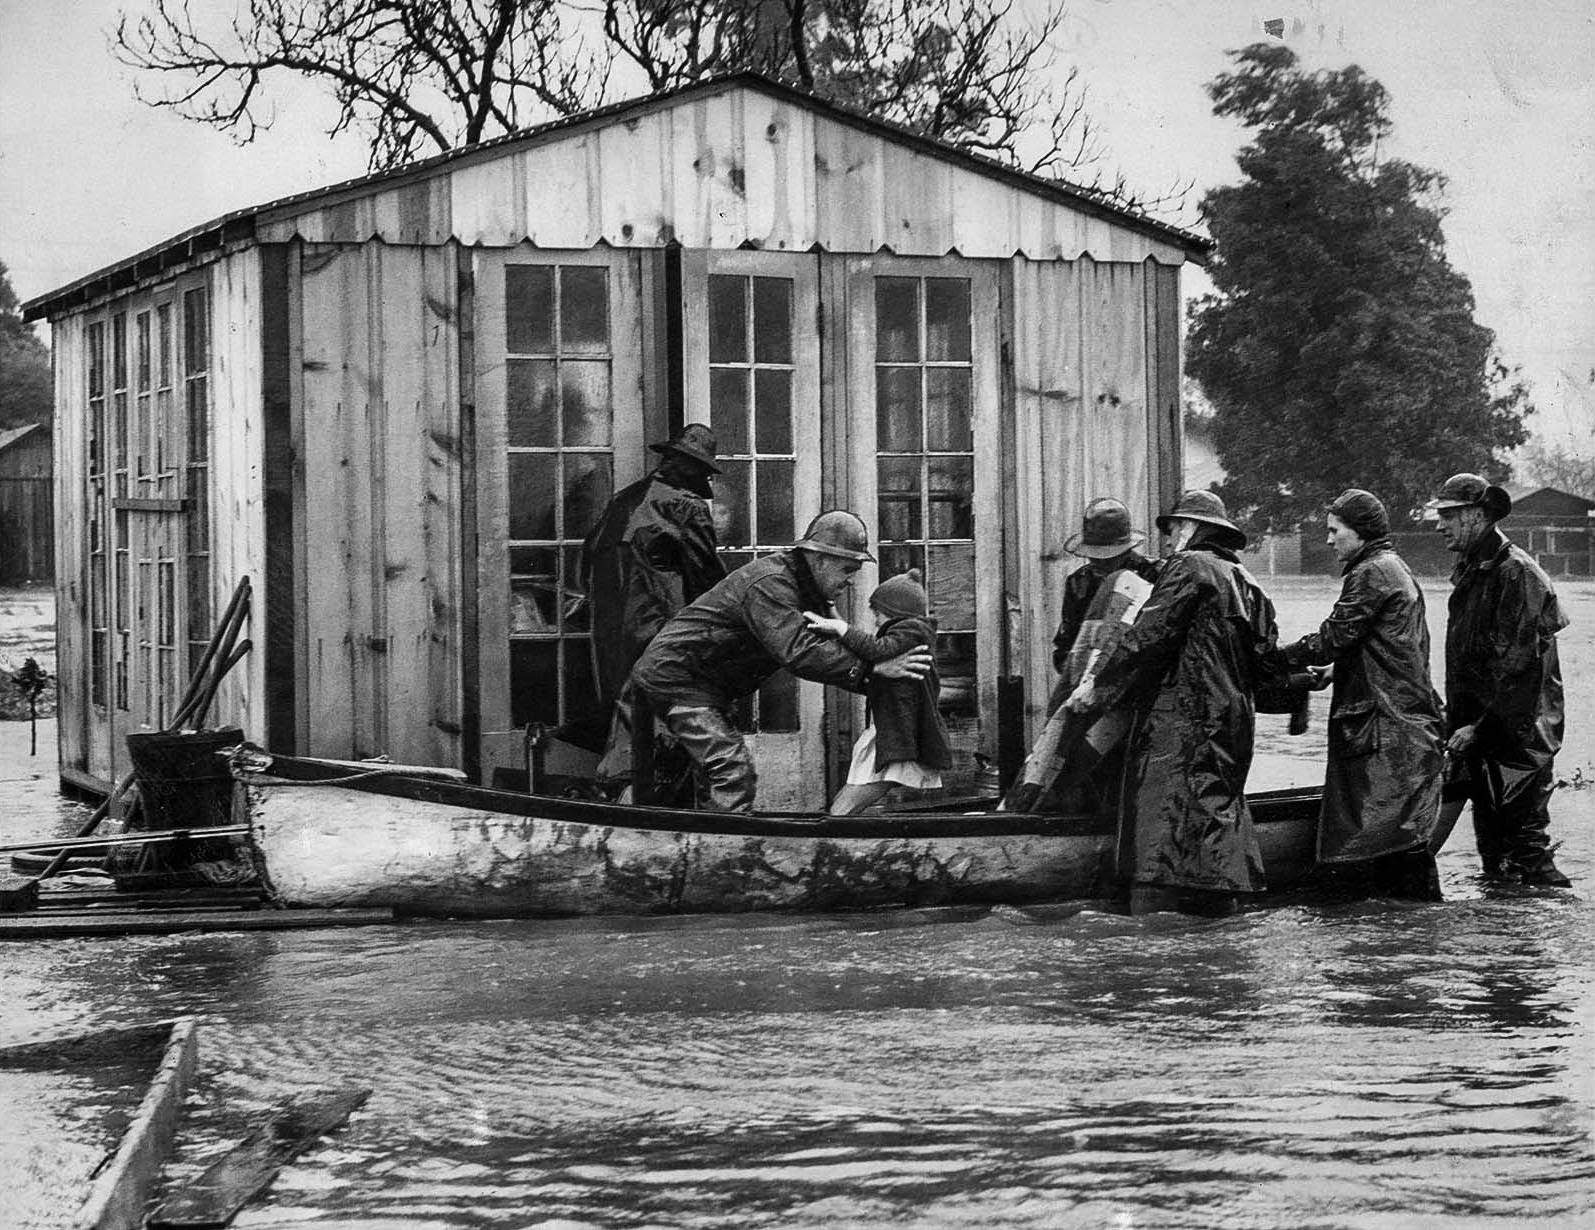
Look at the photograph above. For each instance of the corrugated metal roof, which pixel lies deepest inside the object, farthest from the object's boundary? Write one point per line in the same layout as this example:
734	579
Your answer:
238	227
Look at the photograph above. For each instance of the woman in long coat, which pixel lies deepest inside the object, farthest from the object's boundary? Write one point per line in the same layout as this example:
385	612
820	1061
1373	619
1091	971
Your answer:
1382	784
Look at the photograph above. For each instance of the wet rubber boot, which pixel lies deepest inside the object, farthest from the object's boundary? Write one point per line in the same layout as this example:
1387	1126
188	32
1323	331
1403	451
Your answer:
1528	836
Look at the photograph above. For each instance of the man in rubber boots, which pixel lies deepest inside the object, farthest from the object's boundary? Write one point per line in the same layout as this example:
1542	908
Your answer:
1503	684
722	647
1192	664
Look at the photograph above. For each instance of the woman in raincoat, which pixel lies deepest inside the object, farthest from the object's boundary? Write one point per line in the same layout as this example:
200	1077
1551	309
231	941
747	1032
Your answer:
1382	784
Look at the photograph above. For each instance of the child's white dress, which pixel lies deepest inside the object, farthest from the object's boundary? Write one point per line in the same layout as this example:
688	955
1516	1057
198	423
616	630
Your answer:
903	772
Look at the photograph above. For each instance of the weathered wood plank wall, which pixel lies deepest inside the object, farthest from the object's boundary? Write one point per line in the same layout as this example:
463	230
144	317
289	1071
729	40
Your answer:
737	168
1081	428
71	541
237	513
379	495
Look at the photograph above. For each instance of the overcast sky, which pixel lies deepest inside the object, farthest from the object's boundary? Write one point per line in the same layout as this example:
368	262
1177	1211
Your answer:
1499	95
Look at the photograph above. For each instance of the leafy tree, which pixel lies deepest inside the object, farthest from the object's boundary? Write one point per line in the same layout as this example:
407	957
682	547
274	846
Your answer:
1339	349
424	76
26	382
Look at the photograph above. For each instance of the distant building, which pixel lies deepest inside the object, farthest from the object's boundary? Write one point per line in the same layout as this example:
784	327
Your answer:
1554	527
27	551
398	404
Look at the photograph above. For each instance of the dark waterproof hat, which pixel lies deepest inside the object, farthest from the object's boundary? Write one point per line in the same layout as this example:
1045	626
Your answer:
838	533
1105	532
695	441
1361	512
1206	508
1472	491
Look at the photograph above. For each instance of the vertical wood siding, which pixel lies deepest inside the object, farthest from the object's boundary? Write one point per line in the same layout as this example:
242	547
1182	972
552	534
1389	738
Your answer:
71	580
379	498
1082	425
238	523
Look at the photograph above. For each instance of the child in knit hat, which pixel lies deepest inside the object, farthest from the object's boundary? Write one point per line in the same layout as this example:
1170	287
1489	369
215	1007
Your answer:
905	740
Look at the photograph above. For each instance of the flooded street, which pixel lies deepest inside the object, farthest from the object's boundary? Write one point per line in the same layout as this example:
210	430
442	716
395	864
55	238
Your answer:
1308	1065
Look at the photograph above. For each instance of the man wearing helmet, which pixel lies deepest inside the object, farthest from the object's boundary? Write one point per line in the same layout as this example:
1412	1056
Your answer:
720	648
1503	684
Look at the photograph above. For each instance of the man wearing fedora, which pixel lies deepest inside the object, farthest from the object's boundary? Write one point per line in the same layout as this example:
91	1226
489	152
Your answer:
1503	684
651	553
1192	665
1107	544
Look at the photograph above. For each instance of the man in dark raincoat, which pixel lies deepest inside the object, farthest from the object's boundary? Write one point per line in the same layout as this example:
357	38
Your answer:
1192	664
651	553
1382	781
717	650
1503	683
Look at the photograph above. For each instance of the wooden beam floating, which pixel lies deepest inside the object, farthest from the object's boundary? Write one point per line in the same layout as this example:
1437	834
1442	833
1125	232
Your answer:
51	925
248	1169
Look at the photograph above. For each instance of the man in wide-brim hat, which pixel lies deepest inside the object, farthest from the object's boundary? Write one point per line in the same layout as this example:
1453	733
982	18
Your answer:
1107	543
1191	666
1503	683
651	553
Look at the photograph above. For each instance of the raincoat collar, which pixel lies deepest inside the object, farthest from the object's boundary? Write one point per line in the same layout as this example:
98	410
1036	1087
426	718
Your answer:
1486	555
697	484
1208	538
1371	547
808	591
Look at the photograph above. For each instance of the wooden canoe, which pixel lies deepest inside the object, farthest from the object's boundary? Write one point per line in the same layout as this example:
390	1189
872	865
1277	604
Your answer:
334	835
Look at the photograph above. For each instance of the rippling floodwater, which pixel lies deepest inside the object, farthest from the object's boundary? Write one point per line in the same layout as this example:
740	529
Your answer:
1309	1065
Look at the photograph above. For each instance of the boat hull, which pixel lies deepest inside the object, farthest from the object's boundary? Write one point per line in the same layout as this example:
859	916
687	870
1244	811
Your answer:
325	838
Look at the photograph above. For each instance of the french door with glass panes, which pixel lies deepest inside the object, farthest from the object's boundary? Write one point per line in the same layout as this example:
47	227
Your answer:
751	354
149	583
559	422
922	419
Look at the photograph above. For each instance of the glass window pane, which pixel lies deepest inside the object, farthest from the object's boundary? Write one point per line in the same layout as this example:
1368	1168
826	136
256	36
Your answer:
529	309
198	421
142	364
897	426
952	485
534	589
728	321
529	403
587	491
775	503
196	334
585	389
955	662
778	703
580	694
119	429
897	320
531	495
583	309
947	320
141	437
534	682
772	320
730	506
898	498
163	345
900	558
119	352
573	614
951	574
735	559
728	409
772	411
949	424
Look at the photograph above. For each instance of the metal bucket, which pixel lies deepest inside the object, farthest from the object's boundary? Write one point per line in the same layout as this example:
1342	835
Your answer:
182	782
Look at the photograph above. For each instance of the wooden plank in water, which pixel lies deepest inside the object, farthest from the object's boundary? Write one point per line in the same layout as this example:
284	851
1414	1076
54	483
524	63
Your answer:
248	1169
57	926
116	1200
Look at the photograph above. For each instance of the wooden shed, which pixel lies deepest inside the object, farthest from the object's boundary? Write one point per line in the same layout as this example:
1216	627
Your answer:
399	403
27	554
